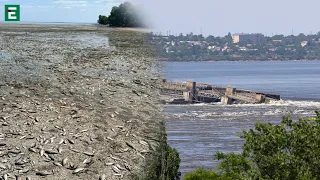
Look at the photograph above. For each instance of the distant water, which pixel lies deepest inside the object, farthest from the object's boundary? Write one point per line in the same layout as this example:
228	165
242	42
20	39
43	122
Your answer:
198	131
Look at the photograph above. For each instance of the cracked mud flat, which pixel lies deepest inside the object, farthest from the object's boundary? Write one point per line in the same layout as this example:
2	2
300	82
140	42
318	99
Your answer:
76	102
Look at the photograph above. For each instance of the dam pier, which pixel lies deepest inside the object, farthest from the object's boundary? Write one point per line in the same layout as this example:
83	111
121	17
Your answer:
193	92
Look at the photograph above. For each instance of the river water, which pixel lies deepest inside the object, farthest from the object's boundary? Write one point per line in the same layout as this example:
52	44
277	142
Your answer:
198	131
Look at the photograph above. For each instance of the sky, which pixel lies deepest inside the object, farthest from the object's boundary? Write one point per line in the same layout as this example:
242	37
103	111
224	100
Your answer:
215	17
84	11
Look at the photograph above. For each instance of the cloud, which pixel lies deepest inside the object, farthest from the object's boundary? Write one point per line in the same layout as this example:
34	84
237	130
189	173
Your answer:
26	6
71	3
45	7
109	1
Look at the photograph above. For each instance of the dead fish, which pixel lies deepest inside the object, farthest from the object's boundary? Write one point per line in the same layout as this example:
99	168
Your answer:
23	171
5	177
119	175
43	173
111	139
57	164
47	141
59	149
87	161
78	170
19	162
115	158
33	145
72	166
74	150
102	177
64	161
41	152
88	153
109	164
70	141
143	143
52	139
119	167
2	166
115	169
14	151
49	151
85	130
130	145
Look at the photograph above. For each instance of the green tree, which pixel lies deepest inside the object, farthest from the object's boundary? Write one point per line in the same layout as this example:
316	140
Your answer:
286	151
229	38
202	174
126	15
103	20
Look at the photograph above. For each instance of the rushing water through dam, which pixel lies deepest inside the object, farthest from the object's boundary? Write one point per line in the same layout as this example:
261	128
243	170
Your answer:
200	130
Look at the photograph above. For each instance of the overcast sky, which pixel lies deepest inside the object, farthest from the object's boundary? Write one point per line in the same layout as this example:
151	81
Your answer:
216	17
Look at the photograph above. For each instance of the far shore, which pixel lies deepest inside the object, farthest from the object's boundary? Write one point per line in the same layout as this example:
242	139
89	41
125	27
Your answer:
302	60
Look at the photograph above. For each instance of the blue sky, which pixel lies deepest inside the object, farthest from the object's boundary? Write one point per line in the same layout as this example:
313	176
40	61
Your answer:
215	17
61	10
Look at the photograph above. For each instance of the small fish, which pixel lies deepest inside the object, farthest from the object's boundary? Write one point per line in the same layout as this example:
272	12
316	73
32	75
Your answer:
102	177
57	164
88	153
49	151
115	169
43	173
41	152
78	170
64	161
109	164
87	161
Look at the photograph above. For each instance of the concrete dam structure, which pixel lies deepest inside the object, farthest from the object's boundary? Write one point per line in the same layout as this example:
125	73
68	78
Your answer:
193	92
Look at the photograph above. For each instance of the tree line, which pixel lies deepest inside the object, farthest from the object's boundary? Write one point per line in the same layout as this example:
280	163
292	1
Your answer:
124	15
191	47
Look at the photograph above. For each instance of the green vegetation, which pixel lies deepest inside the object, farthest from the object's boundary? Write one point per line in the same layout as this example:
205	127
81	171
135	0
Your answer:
286	151
202	174
191	47
126	15
164	162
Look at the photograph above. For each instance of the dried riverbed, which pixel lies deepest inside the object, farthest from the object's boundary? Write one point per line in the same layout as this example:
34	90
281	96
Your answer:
77	102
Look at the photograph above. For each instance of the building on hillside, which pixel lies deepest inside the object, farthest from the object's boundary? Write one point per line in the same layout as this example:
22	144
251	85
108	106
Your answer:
304	43
255	38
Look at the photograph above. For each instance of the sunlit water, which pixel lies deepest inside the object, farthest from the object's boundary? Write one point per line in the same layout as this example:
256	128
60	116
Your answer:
200	130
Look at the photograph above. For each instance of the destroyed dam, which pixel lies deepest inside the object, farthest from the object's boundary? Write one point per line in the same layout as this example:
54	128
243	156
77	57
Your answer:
194	92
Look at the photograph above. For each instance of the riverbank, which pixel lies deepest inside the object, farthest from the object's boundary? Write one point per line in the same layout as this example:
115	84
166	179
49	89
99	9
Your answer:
78	102
198	131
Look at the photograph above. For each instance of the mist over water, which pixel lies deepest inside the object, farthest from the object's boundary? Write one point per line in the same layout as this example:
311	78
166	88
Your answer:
200	130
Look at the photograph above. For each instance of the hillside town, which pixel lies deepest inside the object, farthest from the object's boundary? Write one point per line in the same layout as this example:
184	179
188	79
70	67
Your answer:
240	46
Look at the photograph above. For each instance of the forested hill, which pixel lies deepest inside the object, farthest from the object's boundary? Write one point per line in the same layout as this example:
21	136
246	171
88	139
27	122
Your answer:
192	47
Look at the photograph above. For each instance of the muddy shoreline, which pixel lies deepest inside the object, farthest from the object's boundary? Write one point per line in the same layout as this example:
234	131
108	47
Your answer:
77	102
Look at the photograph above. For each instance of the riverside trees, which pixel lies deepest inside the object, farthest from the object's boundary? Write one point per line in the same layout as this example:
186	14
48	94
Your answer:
126	15
289	151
